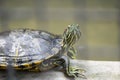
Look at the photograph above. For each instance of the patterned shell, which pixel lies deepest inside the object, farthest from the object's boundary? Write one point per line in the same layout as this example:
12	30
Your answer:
26	46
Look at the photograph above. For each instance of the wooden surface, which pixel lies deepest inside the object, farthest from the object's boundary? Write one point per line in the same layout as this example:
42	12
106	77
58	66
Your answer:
95	70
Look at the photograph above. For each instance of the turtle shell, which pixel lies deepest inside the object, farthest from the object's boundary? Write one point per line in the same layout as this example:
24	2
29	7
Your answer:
26	46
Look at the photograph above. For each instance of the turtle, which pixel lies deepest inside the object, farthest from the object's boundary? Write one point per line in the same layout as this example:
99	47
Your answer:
38	50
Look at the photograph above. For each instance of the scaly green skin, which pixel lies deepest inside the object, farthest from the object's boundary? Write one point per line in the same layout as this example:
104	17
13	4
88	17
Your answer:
70	36
71	53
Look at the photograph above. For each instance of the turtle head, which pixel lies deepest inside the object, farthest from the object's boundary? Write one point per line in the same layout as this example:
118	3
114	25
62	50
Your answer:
71	35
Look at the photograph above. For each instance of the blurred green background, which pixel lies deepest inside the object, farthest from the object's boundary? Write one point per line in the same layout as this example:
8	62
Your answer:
99	22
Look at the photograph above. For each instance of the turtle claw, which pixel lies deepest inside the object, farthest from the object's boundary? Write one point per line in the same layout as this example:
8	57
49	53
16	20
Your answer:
77	72
78	69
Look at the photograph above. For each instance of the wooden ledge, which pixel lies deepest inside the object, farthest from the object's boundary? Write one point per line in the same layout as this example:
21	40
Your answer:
95	70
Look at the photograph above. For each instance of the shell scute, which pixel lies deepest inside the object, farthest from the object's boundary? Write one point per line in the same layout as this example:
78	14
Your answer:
28	46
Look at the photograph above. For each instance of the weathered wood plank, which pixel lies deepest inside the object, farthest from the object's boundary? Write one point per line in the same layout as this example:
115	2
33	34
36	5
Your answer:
95	70
101	70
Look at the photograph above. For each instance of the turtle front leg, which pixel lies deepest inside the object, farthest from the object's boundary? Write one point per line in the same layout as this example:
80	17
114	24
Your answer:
69	70
47	64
